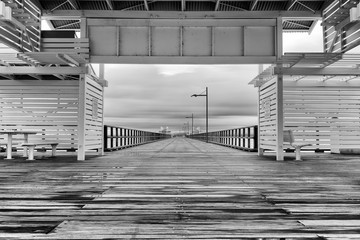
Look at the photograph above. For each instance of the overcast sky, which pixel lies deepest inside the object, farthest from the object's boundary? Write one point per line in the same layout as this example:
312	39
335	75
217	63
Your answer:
149	97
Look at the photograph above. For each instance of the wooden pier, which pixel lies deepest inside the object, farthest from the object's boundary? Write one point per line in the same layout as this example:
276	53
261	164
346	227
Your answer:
180	189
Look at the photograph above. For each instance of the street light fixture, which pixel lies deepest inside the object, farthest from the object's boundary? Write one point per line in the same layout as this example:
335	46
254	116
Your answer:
207	111
192	123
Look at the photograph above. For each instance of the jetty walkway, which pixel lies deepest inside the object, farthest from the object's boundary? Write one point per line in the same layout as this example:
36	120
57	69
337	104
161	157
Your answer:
181	189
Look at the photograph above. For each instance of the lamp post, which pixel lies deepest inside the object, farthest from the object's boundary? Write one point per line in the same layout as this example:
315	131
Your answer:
207	110
192	123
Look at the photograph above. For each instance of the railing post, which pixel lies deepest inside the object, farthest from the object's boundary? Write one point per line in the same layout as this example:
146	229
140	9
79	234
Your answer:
105	138
256	137
111	137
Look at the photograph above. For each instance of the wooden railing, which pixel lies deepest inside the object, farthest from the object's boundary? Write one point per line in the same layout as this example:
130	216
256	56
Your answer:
116	138
245	138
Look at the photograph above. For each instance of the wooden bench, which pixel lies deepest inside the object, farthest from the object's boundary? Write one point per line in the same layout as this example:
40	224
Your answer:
31	148
289	138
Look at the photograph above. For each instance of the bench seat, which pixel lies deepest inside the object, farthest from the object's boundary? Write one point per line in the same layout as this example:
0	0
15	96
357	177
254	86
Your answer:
289	138
31	148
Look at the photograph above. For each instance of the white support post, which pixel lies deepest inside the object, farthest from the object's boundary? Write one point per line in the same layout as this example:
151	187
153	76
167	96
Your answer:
279	119
279	38
83	28
279	95
81	118
102	77
82	101
260	150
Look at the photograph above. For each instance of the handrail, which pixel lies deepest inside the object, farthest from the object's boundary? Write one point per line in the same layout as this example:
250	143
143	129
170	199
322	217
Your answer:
116	138
244	138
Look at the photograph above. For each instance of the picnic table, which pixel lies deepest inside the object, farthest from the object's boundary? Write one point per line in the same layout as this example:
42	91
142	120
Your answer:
9	144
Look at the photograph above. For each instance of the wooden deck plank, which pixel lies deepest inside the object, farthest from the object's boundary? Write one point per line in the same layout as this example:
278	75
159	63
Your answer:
180	189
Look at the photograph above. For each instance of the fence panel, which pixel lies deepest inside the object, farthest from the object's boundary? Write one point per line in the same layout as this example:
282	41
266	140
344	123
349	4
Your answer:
116	138
245	138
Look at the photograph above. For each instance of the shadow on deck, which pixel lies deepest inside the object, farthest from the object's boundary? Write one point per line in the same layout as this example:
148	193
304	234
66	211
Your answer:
181	189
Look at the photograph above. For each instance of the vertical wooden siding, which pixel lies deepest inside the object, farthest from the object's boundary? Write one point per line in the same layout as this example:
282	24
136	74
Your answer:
94	115
49	107
267	121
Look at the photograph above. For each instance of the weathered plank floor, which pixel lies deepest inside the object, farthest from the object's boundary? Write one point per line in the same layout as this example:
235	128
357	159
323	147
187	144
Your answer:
180	189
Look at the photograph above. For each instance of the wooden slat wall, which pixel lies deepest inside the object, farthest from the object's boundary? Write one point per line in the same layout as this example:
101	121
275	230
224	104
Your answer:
328	117
49	107
78	46
345	38
94	115
267	118
14	37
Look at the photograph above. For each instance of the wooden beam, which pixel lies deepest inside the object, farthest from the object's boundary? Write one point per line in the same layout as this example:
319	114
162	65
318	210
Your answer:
74	4
217	5
253	5
38	77
317	71
110	4
290	4
10	77
182	22
74	14
68	60
183	59
37	4
43	70
183	5
336	37
146	5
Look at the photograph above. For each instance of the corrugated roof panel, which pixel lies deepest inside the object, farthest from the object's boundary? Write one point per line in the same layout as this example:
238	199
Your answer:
234	6
271	6
306	6
129	5
165	6
66	24
93	5
297	25
56	5
200	6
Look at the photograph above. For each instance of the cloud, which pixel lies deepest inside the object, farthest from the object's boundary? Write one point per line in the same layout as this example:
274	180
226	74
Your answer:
151	96
171	70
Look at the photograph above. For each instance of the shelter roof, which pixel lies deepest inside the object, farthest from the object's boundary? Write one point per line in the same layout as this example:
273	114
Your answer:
257	7
316	67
